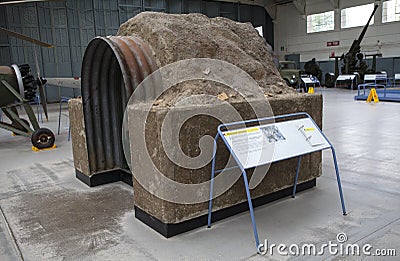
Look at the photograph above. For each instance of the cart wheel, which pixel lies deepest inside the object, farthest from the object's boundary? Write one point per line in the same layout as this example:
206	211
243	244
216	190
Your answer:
43	138
16	125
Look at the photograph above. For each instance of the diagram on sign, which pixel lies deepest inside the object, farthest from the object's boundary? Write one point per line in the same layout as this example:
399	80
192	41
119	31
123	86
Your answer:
272	133
312	135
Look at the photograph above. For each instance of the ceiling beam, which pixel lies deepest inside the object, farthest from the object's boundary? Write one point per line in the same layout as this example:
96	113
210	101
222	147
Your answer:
270	7
300	6
334	3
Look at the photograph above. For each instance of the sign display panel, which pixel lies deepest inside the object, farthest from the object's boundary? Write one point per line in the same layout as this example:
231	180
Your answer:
346	77
264	144
333	43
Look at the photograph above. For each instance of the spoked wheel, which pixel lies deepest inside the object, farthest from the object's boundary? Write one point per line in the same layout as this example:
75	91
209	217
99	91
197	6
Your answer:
43	138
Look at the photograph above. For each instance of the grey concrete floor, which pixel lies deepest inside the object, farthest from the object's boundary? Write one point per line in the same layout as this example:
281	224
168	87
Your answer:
47	214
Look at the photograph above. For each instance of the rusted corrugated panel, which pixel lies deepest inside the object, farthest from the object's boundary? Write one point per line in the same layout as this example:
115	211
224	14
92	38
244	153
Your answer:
112	68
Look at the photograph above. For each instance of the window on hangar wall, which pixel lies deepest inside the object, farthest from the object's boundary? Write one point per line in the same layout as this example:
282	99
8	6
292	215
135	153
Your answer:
391	11
321	22
356	16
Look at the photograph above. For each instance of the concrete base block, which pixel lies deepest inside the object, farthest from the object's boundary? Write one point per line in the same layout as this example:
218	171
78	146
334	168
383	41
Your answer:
105	177
172	229
280	175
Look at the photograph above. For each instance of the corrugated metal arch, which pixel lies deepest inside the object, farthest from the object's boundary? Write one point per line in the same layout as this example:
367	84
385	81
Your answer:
112	68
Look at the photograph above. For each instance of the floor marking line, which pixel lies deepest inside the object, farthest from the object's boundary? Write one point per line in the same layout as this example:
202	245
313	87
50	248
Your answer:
14	241
378	229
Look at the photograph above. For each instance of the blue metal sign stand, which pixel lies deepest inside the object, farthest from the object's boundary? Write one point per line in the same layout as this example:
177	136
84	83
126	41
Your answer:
243	170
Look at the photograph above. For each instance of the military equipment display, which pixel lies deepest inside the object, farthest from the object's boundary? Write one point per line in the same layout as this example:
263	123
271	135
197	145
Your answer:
312	68
352	61
18	88
289	73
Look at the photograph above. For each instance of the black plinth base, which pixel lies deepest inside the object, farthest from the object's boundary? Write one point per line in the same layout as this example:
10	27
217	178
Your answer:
170	230
105	177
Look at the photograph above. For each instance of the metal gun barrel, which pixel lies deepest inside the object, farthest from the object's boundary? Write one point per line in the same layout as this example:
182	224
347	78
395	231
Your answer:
357	42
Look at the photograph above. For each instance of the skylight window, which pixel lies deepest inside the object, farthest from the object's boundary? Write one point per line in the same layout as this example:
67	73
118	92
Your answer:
357	15
321	22
391	11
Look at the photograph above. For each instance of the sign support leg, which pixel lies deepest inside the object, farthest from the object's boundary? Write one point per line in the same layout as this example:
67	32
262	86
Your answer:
320	147
212	180
253	221
296	178
338	181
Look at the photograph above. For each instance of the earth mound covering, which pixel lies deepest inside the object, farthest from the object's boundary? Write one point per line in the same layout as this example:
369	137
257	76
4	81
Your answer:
175	37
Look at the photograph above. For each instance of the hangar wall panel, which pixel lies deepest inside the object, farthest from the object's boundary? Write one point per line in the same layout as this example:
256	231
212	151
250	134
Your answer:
396	65
80	29
23	19
106	17
4	42
129	8
53	28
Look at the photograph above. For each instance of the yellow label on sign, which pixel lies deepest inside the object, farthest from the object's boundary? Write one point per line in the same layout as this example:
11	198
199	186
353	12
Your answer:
309	129
373	95
241	131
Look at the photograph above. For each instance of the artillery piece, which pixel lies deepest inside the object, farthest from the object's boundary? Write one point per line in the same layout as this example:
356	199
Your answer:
351	58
